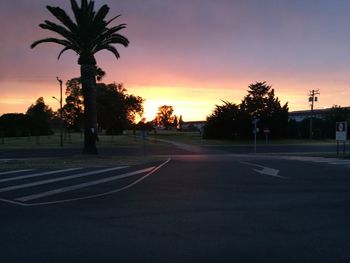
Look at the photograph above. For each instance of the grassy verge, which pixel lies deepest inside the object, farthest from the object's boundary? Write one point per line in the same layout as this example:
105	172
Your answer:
76	142
73	140
194	138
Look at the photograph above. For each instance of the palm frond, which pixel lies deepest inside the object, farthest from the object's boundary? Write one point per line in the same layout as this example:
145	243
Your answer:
111	20
109	32
86	32
62	16
62	51
116	39
59	30
53	40
101	14
109	48
90	10
75	9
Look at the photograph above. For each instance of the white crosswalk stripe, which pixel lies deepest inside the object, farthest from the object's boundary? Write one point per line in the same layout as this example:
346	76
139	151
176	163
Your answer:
16	171
37	174
23	187
82	185
58	179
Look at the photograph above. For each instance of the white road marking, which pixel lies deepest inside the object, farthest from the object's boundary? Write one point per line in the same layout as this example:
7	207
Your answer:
83	185
91	196
266	170
340	163
16	171
15	187
37	174
12	202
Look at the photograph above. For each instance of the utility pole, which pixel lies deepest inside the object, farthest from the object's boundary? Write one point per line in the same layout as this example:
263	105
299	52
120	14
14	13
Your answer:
312	99
61	112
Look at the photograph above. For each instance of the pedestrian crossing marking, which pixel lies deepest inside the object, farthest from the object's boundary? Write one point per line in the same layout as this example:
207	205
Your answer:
58	179
37	174
16	171
82	185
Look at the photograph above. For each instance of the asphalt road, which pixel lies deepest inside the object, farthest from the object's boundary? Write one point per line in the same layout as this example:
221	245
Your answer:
193	208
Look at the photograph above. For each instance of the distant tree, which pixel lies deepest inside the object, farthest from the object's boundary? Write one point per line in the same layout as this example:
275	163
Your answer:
223	123
73	110
164	116
86	35
40	116
261	103
336	114
143	125
116	110
324	128
180	123
14	124
235	121
175	122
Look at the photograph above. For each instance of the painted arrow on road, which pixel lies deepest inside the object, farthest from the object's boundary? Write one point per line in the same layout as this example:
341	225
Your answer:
266	170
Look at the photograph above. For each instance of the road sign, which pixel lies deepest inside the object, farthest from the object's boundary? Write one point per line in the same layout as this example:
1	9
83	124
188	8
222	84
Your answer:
266	130
341	130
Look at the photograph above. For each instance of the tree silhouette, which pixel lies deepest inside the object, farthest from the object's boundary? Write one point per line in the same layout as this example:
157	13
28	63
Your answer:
116	110
235	121
164	116
73	109
40	116
180	123
261	103
86	36
223	123
15	124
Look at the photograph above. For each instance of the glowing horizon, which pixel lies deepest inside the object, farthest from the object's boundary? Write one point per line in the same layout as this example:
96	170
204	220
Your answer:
190	55
194	104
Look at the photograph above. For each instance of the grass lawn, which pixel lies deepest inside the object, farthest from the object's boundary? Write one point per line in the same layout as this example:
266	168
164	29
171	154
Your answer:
195	138
75	141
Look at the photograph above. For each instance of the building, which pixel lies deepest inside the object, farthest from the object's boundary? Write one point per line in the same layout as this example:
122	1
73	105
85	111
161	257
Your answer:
193	125
304	114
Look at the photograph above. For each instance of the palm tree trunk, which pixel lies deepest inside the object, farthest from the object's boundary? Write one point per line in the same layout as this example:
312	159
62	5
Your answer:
88	81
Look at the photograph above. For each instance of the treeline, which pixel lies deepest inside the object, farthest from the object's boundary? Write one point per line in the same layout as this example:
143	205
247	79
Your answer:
323	128
116	111
235	121
37	121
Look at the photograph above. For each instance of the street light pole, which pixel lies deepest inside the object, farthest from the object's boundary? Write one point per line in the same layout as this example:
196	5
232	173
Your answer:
61	113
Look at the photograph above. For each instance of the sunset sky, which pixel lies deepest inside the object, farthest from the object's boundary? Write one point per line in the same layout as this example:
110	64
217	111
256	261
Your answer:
190	54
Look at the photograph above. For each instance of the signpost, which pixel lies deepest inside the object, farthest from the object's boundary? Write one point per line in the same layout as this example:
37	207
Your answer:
256	130
266	132
341	134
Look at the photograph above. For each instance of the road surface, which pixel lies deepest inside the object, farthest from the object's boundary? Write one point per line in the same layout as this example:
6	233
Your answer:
188	208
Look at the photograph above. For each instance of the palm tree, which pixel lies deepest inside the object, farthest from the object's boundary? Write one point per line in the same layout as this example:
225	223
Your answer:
86	35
